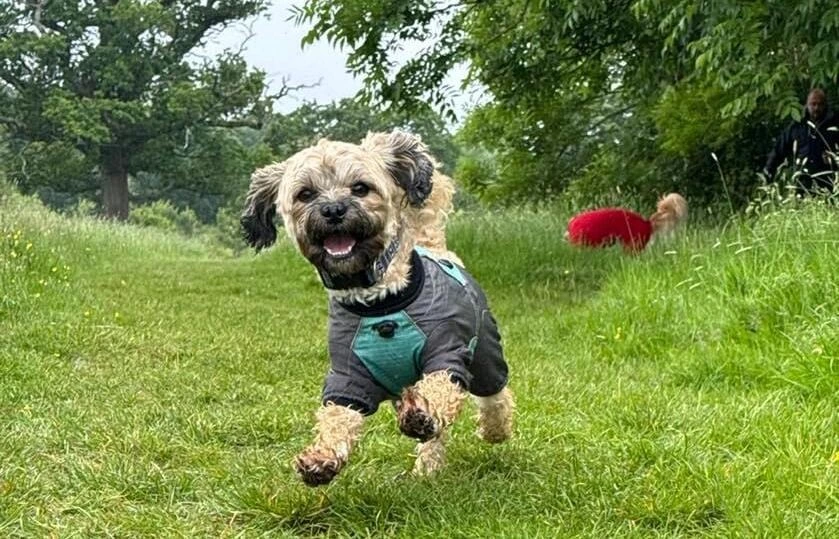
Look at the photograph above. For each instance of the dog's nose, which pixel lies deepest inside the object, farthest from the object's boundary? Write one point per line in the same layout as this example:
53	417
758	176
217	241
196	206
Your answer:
334	211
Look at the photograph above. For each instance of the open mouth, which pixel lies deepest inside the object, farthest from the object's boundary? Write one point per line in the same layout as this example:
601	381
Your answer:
339	245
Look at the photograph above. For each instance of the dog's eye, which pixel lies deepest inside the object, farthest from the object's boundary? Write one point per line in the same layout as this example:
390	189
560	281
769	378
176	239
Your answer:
360	189
305	195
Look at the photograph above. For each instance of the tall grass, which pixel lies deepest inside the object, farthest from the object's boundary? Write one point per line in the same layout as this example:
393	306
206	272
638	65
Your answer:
154	387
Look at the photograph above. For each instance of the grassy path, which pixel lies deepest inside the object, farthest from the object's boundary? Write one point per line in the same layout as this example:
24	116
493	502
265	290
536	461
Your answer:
154	387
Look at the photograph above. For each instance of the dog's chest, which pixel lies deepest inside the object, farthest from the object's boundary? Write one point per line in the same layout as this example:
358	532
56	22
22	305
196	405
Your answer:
391	346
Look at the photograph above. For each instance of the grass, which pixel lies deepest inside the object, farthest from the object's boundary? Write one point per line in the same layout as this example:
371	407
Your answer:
155	387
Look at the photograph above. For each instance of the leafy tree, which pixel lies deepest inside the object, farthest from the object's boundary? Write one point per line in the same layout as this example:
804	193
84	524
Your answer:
579	84
111	84
205	171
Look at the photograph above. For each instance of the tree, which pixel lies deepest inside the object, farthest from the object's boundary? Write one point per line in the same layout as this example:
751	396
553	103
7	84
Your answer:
107	80
569	78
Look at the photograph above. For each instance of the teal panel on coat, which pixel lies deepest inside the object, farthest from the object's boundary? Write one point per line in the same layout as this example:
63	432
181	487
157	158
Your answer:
391	348
449	267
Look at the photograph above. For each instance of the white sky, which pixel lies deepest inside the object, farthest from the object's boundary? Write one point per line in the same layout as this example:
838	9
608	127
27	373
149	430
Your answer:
275	47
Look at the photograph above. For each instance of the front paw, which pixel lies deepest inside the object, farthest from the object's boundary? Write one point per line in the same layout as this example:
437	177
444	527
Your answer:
414	418
317	466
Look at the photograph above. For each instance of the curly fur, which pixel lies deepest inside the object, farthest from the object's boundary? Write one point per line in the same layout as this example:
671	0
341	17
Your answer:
337	431
671	211
495	416
412	199
406	199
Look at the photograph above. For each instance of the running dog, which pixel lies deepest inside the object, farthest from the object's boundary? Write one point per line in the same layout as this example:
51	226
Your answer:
407	323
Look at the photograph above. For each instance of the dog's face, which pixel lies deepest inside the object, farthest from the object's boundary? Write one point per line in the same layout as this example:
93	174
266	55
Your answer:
341	203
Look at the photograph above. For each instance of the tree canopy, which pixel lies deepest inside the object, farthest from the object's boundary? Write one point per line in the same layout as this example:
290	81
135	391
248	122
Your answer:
578	85
106	85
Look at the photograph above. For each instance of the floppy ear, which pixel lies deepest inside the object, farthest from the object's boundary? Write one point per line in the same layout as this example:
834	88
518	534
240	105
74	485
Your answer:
261	207
408	161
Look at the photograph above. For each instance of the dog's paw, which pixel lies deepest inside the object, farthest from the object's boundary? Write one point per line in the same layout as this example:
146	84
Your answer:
317	467
414	418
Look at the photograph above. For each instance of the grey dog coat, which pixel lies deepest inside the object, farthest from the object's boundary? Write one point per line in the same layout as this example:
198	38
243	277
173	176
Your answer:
439	322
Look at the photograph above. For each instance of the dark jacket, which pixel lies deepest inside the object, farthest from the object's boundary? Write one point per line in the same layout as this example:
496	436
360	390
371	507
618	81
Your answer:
809	147
440	322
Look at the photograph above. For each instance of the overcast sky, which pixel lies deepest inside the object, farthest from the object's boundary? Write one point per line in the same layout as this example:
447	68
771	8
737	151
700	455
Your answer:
275	48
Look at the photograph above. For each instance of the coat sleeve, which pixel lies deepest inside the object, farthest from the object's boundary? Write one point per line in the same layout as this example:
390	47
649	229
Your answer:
781	150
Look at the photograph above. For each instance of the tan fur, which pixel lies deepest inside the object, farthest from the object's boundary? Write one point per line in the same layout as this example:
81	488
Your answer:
337	431
495	416
444	398
439	399
388	162
431	456
671	211
331	167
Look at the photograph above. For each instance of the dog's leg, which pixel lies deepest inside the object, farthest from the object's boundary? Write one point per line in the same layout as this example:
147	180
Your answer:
338	429
424	411
431	455
495	416
426	408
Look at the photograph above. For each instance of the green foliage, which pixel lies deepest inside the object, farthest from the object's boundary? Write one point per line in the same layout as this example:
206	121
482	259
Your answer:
570	80
477	172
224	234
56	170
163	215
204	170
690	118
102	83
227	229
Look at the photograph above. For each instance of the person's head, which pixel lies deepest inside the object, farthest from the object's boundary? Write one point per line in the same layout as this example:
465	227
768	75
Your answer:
816	104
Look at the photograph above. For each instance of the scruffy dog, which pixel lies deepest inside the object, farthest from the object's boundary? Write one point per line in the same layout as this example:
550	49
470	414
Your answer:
407	323
605	226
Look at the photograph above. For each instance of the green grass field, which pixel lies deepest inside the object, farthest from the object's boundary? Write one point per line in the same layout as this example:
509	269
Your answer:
153	386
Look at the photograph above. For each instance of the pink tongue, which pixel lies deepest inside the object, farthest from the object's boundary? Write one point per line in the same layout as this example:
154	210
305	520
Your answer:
338	244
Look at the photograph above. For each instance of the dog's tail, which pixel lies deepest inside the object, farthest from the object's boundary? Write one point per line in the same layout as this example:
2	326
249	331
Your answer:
671	211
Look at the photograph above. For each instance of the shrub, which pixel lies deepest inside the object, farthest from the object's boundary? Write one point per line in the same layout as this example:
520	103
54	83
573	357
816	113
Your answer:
162	215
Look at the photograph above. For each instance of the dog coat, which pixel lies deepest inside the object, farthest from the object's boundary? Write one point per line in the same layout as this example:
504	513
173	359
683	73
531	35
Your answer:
439	322
599	228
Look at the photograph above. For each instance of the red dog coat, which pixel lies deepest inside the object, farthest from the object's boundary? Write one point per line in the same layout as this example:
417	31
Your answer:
599	228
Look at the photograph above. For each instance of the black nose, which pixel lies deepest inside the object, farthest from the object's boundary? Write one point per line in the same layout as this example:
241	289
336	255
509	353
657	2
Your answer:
334	211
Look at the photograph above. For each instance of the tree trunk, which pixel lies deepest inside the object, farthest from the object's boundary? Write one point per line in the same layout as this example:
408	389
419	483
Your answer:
115	183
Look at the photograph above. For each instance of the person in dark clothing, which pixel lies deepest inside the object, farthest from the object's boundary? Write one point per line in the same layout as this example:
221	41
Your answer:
812	145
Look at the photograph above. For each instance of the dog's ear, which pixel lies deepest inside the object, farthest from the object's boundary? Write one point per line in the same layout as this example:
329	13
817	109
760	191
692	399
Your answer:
261	206
408	161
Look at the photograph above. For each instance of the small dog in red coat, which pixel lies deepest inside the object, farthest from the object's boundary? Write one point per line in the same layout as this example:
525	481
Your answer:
605	226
